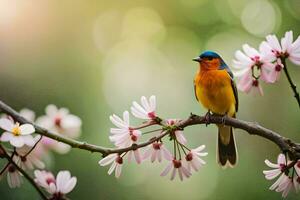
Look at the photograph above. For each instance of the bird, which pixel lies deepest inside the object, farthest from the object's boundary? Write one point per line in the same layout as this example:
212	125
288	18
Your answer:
215	89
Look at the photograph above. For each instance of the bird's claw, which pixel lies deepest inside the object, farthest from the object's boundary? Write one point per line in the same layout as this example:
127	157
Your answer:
207	118
224	119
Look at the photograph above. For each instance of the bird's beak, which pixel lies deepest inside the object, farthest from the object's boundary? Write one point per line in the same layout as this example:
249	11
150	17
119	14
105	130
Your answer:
197	59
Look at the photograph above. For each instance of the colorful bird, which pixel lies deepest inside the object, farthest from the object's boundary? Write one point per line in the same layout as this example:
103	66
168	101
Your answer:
216	91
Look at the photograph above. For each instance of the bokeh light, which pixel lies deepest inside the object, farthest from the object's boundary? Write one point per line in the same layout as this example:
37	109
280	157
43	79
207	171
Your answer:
260	17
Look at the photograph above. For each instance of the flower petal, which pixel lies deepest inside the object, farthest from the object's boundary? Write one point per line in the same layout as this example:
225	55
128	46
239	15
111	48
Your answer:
28	140
69	186
137	156
112	168
281	159
273	42
152	101
286	41
126	117
61	180
180	137
6	124
6	136
17	141
167	169
118	170
27	129
270	164
51	110
108	159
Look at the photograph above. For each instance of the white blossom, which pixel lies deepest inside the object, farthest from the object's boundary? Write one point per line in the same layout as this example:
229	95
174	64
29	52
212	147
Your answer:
193	158
28	161
18	135
157	151
176	167
146	110
14	178
116	162
123	135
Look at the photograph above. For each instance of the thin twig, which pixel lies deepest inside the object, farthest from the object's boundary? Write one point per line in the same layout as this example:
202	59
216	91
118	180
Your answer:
146	124
293	86
4	168
7	164
31	181
152	131
32	148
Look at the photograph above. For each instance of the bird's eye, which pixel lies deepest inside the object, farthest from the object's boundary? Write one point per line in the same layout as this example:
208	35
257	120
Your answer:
209	58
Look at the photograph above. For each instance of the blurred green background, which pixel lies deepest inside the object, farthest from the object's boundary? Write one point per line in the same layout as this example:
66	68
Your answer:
96	57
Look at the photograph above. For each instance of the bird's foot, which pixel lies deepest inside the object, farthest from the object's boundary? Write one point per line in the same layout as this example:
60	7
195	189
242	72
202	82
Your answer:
207	118
224	118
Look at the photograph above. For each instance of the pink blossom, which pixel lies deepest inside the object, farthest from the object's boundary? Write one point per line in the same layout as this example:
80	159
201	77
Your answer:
176	166
61	121
49	144
14	178
284	183
278	167
286	48
46	180
136	154
249	84
193	160
28	161
157	151
116	162
146	110
63	184
276	70
296	178
246	61
27	114
123	135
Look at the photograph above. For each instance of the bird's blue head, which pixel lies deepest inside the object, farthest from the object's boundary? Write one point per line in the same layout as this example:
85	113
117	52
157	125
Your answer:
210	60
209	55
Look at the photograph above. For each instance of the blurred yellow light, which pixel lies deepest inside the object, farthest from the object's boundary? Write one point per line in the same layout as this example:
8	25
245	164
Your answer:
107	29
192	3
131	69
143	23
8	11
237	6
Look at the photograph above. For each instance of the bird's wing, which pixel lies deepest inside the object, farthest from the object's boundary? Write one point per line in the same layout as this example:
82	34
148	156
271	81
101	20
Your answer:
195	91
235	92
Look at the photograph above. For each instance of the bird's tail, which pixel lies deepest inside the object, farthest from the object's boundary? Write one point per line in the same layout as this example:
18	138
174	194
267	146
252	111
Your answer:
226	152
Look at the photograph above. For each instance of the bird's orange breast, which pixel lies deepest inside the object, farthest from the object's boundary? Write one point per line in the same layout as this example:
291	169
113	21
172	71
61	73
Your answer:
214	90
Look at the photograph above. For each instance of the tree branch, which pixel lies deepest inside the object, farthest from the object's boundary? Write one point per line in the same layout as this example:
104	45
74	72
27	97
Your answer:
285	144
253	128
293	86
31	181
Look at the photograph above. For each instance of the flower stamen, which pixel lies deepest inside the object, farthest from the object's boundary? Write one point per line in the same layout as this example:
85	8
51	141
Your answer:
16	131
